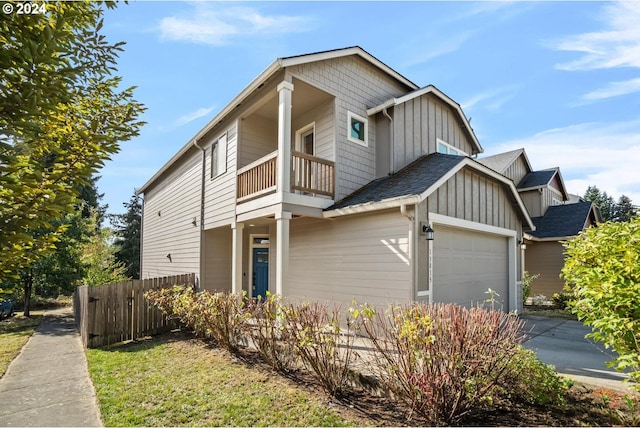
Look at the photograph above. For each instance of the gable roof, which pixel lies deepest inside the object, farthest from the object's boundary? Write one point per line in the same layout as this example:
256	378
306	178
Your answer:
414	183
536	179
563	221
502	161
430	89
256	83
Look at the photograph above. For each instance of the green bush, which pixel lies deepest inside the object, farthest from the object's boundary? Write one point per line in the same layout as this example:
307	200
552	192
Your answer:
561	300
602	266
527	280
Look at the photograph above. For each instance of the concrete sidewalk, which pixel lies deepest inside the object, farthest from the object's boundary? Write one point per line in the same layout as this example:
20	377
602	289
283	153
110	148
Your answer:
561	343
48	384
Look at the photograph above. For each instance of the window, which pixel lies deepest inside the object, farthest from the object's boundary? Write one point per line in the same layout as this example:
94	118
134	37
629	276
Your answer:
219	157
448	149
357	131
305	139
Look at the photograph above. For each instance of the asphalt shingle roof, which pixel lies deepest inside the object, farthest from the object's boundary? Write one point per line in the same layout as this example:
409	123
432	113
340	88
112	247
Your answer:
536	179
562	220
413	179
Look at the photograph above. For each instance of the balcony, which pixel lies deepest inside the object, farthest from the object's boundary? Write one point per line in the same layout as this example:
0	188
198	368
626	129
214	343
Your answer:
310	175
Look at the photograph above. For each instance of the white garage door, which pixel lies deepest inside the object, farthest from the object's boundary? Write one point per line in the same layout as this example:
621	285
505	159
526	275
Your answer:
466	264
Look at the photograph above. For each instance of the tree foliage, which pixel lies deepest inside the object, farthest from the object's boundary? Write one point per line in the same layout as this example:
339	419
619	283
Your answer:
603	268
604	202
127	228
62	115
624	210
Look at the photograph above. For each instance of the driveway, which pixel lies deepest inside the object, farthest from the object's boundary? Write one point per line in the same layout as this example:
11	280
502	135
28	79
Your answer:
561	343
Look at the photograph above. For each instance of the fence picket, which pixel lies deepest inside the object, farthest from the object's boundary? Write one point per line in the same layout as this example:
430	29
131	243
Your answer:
118	312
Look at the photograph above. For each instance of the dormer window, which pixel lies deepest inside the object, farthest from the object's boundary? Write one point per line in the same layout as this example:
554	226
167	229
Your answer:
447	149
357	131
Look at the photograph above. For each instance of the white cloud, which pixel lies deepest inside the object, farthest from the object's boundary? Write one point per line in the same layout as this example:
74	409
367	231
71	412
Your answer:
616	46
614	89
191	116
602	154
492	99
216	25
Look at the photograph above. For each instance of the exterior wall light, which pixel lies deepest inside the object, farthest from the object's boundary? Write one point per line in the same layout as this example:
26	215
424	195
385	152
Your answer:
169	257
427	231
522	244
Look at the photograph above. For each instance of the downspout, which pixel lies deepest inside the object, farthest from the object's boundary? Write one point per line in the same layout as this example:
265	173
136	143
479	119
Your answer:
392	159
202	183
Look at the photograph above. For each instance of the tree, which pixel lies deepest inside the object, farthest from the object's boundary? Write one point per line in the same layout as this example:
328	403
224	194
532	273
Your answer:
127	232
98	257
62	115
602	266
624	209
604	202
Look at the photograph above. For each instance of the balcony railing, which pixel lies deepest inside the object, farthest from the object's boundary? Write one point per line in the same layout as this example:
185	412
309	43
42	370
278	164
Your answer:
310	175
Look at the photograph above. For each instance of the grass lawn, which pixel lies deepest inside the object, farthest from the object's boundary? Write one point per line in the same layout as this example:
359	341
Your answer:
14	333
176	380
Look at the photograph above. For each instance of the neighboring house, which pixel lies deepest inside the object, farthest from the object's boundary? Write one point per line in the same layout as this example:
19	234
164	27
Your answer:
556	214
319	181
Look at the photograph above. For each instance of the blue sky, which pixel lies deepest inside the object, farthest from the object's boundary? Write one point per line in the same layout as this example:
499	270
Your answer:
561	79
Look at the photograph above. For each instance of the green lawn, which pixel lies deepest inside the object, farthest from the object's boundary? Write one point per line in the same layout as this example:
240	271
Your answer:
14	333
168	382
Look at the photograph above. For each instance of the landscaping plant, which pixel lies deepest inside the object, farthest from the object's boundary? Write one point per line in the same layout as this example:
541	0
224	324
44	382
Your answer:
443	361
602	268
268	335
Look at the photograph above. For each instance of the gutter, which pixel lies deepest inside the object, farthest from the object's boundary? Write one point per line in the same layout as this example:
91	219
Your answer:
202	183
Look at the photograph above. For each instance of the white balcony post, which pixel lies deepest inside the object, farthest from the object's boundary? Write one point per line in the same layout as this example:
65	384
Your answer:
236	258
282	251
284	137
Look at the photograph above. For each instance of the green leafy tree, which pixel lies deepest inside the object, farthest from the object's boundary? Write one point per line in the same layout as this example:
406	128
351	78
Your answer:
624	210
98	257
62	115
602	266
127	231
604	202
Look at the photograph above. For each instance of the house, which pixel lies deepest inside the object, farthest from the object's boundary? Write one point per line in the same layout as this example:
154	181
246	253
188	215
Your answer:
556	214
321	179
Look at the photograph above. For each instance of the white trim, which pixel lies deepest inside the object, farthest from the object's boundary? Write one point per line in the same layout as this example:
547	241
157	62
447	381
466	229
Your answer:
351	115
303	132
449	148
470	225
251	247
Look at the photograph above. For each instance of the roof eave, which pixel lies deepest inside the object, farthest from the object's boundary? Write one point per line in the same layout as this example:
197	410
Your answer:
373	206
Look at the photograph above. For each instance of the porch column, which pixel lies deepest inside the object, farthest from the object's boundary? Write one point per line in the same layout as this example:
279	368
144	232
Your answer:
236	257
282	251
284	137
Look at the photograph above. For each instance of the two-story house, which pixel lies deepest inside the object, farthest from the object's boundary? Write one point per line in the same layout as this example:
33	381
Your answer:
556	217
333	177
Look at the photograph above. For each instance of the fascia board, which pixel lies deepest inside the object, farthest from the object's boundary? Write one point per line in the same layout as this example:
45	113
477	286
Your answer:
373	206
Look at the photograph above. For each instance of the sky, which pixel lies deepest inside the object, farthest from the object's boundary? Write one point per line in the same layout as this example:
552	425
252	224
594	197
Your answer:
560	79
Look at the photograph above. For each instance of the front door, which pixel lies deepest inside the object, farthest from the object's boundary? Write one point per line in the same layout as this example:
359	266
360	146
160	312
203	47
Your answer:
260	272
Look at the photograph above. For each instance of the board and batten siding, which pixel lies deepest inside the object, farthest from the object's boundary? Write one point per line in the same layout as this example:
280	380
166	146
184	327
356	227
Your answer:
418	124
220	191
517	170
357	86
361	257
170	206
473	197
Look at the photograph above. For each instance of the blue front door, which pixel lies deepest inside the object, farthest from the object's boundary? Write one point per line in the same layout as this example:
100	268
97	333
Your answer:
260	272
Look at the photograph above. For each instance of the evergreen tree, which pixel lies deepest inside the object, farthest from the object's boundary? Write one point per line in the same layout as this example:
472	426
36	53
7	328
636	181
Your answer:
604	202
624	210
127	231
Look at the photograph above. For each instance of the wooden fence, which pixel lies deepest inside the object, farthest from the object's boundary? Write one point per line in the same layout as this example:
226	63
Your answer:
114	313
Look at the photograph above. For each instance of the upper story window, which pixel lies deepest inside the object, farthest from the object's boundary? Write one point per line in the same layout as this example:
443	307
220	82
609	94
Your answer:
219	156
555	201
358	129
448	149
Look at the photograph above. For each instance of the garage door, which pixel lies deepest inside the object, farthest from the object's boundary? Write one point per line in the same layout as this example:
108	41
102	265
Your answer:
466	264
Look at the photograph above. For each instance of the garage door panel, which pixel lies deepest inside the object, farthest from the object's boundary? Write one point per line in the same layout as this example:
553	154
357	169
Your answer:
466	264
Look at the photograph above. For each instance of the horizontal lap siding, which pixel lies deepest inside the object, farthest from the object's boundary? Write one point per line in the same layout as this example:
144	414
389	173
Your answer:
177	200
217	259
545	259
324	129
358	257
259	137
220	192
358	86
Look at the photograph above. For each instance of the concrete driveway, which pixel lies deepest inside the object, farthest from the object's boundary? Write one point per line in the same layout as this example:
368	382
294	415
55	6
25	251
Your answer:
560	342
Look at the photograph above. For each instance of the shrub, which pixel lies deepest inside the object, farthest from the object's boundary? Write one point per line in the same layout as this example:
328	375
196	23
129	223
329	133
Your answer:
269	336
224	318
323	346
603	267
444	361
527	280
561	300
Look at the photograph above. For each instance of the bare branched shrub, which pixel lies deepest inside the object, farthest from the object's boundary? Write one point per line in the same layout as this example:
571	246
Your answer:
324	347
224	318
268	334
444	361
